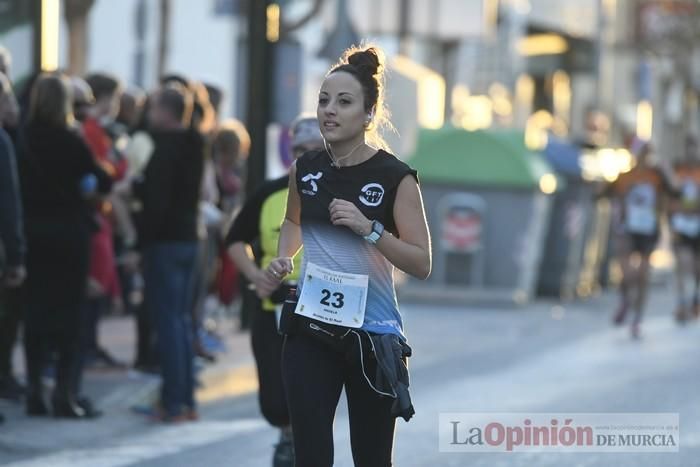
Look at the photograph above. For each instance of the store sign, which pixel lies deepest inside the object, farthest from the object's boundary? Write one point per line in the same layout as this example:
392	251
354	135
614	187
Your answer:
461	229
667	20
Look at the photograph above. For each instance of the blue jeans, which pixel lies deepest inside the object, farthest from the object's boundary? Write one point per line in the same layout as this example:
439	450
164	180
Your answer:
168	276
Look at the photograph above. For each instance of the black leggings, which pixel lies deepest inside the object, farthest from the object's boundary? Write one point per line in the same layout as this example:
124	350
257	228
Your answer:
314	376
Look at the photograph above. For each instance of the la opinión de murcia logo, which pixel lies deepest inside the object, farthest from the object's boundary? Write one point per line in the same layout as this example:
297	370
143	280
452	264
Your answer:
591	433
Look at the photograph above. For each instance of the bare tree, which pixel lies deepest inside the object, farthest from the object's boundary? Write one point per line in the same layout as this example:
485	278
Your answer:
76	13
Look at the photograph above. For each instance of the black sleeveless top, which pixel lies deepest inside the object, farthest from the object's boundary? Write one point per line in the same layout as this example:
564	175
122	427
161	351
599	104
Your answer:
370	185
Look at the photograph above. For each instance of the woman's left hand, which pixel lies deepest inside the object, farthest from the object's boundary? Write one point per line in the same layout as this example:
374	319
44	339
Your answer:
346	213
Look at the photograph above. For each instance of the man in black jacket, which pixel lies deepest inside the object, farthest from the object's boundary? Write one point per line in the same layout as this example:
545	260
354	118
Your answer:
12	244
168	236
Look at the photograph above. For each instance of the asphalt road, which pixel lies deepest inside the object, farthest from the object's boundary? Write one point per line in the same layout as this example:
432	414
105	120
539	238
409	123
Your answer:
543	358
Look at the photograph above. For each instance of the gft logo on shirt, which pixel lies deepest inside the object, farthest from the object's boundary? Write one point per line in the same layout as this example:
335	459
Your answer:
372	194
311	180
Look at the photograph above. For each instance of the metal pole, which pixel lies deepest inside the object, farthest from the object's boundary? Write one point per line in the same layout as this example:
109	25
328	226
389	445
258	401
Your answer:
37	34
404	17
600	37
259	90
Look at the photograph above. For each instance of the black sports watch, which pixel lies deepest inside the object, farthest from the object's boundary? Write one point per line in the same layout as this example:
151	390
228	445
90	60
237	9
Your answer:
376	233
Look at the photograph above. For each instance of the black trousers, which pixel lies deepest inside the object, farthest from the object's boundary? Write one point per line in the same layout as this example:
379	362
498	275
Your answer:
314	376
146	353
53	296
10	318
267	349
91	311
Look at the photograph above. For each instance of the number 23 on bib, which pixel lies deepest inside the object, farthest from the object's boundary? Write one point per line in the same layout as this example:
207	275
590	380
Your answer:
333	297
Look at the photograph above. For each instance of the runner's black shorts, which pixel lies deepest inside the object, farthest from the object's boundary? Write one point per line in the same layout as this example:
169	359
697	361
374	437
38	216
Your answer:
642	243
687	241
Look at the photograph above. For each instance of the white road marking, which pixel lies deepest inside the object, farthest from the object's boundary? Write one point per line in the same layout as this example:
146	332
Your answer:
162	441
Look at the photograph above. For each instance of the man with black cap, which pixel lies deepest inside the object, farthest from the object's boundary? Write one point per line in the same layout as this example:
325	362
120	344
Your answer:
260	219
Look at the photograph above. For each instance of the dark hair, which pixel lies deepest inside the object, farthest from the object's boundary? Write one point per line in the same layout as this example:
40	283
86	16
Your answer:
103	85
203	115
175	78
51	101
233	138
366	64
216	95
177	100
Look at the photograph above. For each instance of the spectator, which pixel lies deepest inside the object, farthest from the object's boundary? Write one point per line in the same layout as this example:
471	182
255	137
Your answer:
107	92
12	246
54	165
83	99
138	152
230	151
5	62
203	114
131	107
104	288
170	195
204	122
216	96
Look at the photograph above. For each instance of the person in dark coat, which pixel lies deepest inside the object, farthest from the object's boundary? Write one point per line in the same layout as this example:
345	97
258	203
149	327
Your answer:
12	245
59	180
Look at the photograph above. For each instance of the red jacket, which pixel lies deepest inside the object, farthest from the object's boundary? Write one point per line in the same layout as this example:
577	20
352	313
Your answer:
101	145
103	267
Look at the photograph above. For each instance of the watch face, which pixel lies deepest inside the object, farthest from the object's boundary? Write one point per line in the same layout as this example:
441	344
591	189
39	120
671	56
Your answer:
377	227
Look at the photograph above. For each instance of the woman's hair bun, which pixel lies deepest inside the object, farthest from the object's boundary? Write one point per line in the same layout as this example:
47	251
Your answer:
366	61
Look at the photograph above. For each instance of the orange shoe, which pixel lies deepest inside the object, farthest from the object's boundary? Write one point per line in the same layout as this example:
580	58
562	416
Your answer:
192	415
183	417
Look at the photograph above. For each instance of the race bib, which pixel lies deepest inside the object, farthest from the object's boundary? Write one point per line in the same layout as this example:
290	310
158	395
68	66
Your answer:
689	192
333	297
686	224
640	213
641	220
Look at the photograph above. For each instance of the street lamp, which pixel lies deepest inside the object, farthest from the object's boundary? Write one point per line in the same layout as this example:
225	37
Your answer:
46	34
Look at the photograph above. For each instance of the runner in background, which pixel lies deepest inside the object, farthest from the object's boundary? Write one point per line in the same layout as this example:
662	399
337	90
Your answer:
640	195
260	220
684	215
